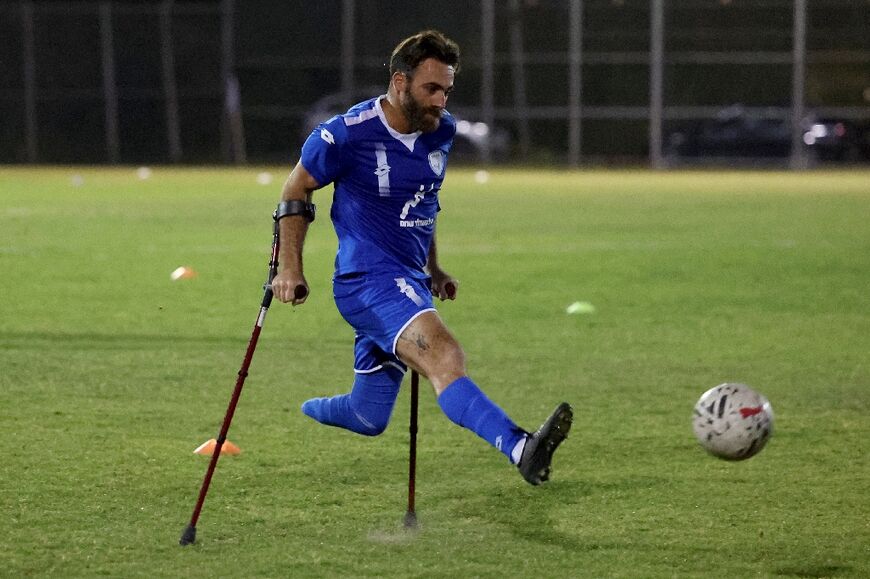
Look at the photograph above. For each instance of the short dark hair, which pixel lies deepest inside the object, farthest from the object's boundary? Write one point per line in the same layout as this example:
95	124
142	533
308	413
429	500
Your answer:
409	53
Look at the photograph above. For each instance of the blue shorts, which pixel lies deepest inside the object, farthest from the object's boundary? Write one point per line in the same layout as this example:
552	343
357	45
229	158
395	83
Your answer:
380	307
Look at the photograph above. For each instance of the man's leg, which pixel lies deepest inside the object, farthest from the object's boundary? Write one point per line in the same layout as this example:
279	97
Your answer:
427	345
366	409
465	404
378	374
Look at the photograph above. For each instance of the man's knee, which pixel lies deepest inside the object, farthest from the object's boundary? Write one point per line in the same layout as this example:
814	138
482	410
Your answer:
372	424
450	358
373	398
446	366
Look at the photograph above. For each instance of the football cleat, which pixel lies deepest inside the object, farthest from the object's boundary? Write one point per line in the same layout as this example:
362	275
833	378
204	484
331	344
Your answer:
535	461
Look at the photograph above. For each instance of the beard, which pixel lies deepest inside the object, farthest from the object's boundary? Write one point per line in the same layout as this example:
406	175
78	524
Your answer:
420	117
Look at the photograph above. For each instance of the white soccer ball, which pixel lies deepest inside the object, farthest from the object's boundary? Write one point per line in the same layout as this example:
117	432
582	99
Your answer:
733	421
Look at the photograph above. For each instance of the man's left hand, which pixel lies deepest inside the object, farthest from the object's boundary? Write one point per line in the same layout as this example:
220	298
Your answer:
444	286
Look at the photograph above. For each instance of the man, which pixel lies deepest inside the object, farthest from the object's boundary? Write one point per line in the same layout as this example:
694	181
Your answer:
387	157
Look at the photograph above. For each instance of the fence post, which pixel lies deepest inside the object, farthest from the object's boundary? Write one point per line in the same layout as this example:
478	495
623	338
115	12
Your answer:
110	88
799	52
348	45
487	81
575	83
521	113
656	82
31	127
173	131
232	127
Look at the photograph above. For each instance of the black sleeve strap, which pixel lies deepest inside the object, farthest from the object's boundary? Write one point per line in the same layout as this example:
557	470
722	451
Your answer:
295	207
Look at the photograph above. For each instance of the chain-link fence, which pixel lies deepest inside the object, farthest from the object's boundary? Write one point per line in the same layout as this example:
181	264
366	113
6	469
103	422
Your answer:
569	82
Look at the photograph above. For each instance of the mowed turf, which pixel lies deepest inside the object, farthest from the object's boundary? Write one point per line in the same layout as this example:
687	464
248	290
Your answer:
111	374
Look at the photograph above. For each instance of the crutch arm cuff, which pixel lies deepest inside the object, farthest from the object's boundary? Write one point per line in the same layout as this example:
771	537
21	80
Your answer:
295	207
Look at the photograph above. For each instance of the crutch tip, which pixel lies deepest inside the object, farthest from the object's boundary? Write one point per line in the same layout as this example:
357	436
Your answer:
188	537
411	520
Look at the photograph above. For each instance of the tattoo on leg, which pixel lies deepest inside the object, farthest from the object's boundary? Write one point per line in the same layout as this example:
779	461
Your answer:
421	342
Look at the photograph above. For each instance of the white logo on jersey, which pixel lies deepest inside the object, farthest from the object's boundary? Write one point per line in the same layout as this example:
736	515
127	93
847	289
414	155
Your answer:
436	162
418	196
327	136
498	440
408	291
382	170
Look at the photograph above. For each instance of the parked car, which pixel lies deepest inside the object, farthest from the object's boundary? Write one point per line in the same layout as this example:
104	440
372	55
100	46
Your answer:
837	140
740	133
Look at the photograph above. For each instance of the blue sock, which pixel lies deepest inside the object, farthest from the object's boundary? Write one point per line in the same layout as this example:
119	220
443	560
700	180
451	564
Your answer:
366	409
466	405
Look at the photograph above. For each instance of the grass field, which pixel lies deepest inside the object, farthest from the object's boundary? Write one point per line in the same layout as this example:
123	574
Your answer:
111	374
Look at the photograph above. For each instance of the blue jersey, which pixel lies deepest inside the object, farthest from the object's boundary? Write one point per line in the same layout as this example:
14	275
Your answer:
386	188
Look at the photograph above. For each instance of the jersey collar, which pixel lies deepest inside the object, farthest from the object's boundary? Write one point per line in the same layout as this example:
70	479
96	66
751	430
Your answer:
407	139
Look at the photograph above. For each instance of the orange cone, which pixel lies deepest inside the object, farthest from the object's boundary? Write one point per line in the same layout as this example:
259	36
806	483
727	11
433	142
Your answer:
182	272
207	448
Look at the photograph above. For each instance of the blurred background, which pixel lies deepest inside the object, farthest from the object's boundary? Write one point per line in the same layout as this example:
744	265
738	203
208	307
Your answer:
659	83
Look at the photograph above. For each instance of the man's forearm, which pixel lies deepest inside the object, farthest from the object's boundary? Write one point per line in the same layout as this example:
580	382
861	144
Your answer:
292	229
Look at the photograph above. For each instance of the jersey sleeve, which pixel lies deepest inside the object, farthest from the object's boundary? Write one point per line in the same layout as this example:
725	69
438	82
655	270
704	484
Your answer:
321	153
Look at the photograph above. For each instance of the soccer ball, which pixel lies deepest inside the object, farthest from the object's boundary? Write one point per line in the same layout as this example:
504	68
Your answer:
733	421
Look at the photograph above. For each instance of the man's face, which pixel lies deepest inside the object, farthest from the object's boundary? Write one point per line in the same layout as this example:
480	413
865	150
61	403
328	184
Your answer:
425	94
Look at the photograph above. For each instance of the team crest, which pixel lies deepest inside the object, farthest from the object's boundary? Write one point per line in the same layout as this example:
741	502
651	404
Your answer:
436	162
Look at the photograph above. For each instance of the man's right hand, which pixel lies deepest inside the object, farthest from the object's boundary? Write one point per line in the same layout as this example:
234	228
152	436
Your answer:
289	287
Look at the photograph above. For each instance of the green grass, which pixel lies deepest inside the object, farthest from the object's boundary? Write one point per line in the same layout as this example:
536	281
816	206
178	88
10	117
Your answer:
111	374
